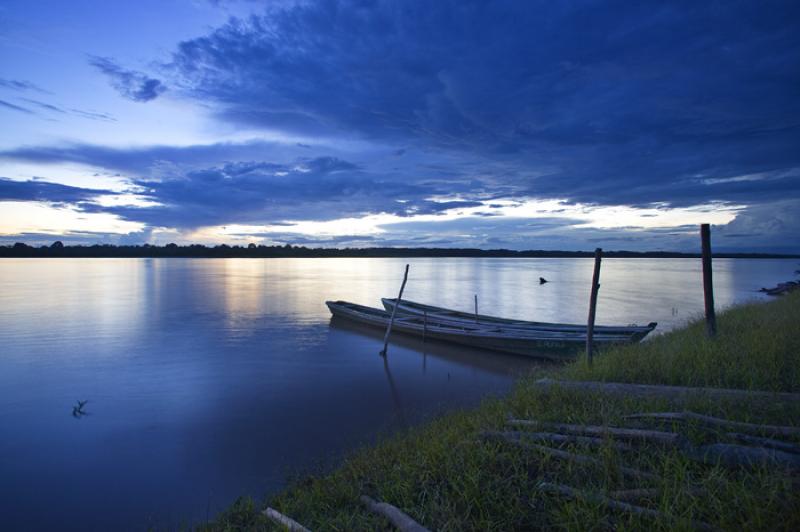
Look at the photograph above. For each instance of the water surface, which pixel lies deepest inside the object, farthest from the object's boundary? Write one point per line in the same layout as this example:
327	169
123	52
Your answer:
212	378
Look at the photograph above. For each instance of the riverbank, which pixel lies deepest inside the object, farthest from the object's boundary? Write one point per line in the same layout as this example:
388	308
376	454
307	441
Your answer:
448	477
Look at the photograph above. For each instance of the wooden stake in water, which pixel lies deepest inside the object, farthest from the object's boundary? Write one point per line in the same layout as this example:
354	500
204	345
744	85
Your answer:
598	253
708	284
394	311
476	308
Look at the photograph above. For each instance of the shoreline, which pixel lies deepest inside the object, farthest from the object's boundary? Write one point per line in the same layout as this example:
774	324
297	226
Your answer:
252	251
445	474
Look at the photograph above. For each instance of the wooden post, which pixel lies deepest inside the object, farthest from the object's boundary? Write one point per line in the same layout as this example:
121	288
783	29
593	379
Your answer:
708	284
598	253
394	311
424	324
476	308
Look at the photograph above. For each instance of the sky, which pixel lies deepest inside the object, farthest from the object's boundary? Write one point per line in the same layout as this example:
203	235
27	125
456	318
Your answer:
357	123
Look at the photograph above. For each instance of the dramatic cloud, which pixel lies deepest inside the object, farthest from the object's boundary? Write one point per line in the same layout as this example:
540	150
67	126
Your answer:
613	103
439	115
130	84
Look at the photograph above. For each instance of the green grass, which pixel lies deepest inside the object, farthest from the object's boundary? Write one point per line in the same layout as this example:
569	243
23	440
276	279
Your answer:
757	348
443	476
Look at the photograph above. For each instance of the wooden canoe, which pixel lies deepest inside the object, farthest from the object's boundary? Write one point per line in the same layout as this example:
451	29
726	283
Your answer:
444	315
554	345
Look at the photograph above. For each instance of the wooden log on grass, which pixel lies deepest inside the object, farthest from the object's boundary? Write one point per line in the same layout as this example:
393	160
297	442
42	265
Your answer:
551	437
595	498
650	391
572	493
580	459
742	456
670	439
765	442
649	493
718	422
397	517
278	518
634	494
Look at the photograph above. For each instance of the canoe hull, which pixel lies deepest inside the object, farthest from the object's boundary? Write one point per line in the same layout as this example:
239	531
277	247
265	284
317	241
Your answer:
546	345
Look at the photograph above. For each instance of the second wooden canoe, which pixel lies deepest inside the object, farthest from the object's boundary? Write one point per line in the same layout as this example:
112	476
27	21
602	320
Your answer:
445	315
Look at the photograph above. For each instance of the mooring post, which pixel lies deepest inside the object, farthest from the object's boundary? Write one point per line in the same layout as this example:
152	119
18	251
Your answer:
708	281
394	311
476	308
424	324
598	253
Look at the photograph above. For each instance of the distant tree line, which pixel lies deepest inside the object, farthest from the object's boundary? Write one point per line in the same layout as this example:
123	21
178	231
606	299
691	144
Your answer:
58	249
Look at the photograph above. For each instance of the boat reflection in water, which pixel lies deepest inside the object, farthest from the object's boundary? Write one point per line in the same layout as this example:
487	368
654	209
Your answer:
497	363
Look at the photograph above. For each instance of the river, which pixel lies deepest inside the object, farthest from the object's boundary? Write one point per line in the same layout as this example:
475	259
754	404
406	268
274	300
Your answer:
212	378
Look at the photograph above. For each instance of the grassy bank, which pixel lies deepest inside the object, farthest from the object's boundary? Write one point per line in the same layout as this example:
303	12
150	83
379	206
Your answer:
447	478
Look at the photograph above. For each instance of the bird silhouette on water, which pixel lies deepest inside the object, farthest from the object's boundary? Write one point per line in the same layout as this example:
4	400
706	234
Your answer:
77	411
542	280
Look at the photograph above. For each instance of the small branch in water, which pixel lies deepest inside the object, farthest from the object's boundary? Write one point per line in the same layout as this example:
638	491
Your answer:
77	411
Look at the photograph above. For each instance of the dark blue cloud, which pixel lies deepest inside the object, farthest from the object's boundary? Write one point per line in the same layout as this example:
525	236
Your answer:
46	106
93	115
19	85
320	188
13	107
51	108
131	84
35	190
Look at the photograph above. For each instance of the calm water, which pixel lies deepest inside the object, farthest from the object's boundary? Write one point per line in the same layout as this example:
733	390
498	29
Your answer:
208	379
